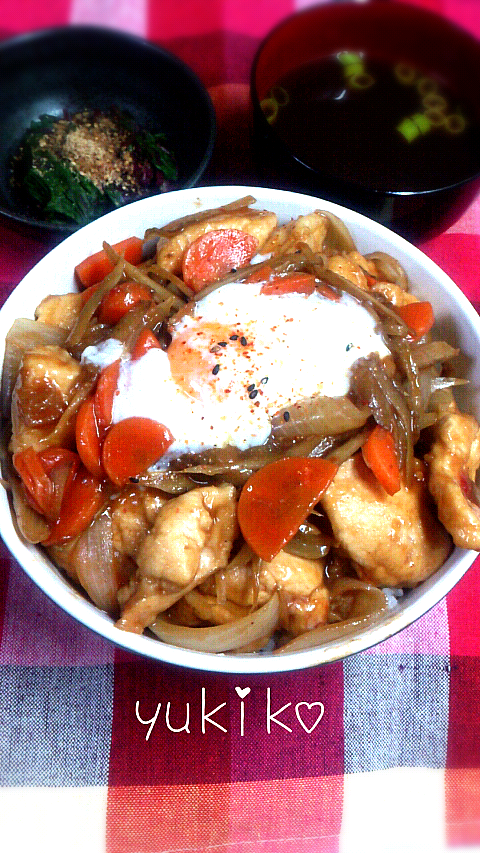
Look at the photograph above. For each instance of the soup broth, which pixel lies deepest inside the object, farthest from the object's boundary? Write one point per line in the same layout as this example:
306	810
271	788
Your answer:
383	126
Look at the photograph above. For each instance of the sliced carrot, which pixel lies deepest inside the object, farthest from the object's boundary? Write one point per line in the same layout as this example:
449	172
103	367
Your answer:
276	500
297	282
38	485
87	436
53	457
214	254
120	299
94	268
105	393
145	341
329	292
418	316
300	282
379	454
131	446
82	498
263	273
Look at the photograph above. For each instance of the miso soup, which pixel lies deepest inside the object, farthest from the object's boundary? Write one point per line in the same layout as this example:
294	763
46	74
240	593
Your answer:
384	126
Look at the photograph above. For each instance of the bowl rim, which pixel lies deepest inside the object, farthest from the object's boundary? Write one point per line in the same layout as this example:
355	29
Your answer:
43	572
37	36
355	184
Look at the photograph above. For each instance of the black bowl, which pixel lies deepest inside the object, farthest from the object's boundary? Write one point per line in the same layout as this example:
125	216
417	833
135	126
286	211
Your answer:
393	32
68	69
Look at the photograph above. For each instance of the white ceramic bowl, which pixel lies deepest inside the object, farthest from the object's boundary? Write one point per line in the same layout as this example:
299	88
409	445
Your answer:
457	321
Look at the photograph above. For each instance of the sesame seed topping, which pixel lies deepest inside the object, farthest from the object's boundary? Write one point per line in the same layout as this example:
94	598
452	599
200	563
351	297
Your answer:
264	380
234	337
251	387
222	343
243	341
253	394
216	369
286	416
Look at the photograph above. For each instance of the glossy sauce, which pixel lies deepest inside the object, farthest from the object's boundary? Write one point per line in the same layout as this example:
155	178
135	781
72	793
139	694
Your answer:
382	126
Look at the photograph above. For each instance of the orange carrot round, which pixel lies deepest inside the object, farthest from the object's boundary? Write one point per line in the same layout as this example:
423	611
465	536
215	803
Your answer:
38	485
214	254
104	395
121	299
145	341
379	454
277	499
300	282
131	446
94	268
418	316
82	498
88	438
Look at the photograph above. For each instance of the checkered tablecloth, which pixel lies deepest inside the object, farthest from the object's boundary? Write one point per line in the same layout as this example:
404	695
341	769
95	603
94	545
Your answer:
104	752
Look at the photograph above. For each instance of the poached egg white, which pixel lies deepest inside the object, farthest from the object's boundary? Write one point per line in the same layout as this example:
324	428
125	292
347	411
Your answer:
237	359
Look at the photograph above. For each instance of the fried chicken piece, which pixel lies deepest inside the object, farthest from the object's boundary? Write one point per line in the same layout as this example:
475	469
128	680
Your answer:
310	229
357	269
299	582
191	538
258	223
393	540
133	513
60	310
45	384
352	266
452	464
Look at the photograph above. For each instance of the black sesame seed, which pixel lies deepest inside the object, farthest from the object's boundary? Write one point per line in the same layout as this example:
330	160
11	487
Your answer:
243	341
286	416
134	479
222	343
251	387
253	394
234	337
216	369
264	380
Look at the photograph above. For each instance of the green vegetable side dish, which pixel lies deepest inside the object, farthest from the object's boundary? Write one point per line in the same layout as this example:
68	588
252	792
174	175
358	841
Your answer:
72	170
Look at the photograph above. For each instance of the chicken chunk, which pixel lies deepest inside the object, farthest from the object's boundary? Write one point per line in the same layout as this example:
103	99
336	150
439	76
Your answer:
393	293
258	223
47	379
60	310
453	461
310	229
357	269
304	597
133	513
191	538
299	582
393	540
352	266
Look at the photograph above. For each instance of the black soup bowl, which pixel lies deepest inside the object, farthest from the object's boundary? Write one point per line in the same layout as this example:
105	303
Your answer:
375	106
64	70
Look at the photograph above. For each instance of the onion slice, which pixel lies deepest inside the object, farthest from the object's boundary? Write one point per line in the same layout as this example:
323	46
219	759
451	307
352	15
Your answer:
368	605
222	638
95	565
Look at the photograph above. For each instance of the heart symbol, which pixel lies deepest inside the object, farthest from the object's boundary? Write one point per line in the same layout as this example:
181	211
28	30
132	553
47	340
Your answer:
242	691
309	705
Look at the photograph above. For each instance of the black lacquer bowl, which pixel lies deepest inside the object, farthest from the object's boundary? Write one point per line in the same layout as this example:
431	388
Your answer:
68	69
